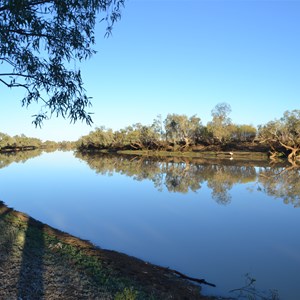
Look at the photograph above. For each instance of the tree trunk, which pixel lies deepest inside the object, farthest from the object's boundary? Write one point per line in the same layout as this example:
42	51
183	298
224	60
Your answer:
187	142
273	155
293	154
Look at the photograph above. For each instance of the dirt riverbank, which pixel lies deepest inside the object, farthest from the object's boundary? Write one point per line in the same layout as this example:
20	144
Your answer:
40	262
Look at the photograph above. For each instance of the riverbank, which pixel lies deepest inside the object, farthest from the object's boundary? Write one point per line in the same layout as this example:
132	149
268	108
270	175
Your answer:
238	155
40	262
201	154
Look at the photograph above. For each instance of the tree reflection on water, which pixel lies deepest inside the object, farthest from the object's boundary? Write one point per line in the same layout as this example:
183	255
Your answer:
20	156
281	182
181	175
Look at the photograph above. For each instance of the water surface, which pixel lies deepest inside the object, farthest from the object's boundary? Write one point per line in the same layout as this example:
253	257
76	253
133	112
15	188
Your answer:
216	220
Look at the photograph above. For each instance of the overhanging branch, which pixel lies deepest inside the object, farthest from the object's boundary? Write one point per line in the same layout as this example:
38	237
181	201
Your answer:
12	85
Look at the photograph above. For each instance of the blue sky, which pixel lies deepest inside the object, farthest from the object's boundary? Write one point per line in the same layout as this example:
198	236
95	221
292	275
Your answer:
183	56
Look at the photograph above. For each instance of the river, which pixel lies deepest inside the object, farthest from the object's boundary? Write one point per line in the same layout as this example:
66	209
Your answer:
218	220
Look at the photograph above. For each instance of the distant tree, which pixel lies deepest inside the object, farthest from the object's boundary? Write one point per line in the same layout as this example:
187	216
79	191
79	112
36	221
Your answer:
182	130
39	40
120	139
284	132
65	145
50	145
100	138
289	134
5	140
243	133
140	136
267	135
158	127
150	138
132	136
221	126
18	142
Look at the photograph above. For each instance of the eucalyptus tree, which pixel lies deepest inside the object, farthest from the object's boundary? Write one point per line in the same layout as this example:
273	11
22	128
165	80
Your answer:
5	140
267	134
142	136
40	41
125	138
221	126
120	139
50	145
244	133
182	130
132	138
158	127
24	142
150	137
283	133
289	134
18	142
100	138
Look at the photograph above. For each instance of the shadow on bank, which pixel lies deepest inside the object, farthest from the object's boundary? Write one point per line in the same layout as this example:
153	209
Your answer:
31	284
22	249
40	262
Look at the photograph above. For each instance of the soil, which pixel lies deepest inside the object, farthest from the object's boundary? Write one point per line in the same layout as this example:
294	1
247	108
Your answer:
40	262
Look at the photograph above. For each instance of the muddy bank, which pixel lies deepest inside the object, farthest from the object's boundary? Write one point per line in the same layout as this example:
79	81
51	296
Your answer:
40	262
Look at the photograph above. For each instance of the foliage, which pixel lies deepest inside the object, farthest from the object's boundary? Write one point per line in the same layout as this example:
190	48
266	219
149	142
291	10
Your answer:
22	142
177	132
283	133
39	40
49	144
221	126
99	138
19	142
139	136
244	133
182	130
66	145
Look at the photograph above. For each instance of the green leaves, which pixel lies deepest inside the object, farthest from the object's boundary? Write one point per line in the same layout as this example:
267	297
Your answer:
283	133
39	39
181	129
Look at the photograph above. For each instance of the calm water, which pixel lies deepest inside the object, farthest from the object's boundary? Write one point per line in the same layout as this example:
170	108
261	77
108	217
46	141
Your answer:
215	220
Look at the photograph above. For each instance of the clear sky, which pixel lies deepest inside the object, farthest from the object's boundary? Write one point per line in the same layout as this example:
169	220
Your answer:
184	57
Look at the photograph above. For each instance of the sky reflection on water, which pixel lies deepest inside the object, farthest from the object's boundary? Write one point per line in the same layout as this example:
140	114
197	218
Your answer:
218	223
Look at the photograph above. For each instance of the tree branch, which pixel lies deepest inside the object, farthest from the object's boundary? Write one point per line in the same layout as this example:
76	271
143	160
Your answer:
7	7
10	85
22	32
286	146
